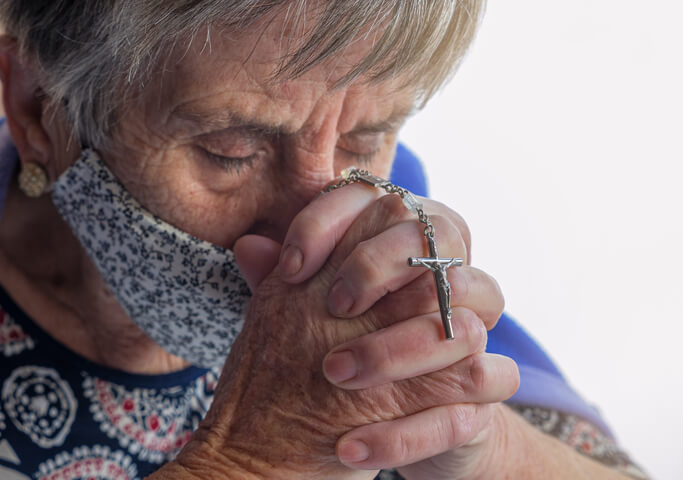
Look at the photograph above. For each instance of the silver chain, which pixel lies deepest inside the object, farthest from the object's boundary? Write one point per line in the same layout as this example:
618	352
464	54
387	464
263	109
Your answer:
353	175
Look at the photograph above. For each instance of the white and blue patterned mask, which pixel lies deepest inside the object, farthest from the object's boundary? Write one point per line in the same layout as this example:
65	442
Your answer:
186	294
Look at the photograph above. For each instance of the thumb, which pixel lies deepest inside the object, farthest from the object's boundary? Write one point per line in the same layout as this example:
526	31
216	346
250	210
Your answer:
256	257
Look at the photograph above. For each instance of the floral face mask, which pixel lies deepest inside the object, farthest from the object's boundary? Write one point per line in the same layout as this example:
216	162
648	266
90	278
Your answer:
185	293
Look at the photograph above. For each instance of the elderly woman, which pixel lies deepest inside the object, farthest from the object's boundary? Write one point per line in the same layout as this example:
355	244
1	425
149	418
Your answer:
157	145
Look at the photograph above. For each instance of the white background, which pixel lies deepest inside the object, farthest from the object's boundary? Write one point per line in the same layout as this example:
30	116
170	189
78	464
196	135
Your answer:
561	142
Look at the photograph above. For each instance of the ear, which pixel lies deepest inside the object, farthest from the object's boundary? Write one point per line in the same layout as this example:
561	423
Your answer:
24	104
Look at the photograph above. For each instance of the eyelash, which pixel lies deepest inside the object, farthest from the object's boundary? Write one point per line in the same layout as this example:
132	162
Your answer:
361	158
233	165
365	158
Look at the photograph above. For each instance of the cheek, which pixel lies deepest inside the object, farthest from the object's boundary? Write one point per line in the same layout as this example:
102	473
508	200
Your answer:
177	188
218	219
185	190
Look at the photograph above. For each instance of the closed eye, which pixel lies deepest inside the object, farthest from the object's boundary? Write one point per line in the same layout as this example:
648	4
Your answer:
232	165
360	158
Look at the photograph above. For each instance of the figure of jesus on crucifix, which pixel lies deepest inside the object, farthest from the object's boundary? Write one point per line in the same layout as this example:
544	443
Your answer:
439	267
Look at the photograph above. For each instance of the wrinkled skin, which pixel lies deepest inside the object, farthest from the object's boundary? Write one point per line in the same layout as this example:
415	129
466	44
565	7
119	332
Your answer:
276	412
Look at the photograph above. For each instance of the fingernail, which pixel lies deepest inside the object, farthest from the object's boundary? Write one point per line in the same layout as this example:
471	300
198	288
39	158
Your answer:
340	366
340	300
353	451
291	260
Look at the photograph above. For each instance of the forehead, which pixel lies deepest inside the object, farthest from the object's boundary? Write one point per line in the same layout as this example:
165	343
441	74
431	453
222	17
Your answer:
227	75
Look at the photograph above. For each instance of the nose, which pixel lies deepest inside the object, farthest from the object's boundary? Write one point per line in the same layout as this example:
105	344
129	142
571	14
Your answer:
302	175
306	161
309	153
307	173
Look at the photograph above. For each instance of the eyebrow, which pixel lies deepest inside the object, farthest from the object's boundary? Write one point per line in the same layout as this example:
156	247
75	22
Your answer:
226	120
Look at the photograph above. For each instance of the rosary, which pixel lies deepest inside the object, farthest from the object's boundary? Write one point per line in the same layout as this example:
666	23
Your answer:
438	266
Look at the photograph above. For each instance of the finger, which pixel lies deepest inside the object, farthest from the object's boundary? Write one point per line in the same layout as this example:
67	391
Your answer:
470	287
410	439
324	226
404	350
256	257
387	211
318	228
479	378
380	264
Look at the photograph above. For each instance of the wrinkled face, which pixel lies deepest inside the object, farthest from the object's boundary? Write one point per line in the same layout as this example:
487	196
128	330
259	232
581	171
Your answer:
219	149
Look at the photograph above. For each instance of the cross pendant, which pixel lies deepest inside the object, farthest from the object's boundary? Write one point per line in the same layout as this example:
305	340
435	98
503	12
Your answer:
439	267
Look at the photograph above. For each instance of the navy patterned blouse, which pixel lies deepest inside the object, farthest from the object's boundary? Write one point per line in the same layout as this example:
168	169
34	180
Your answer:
63	417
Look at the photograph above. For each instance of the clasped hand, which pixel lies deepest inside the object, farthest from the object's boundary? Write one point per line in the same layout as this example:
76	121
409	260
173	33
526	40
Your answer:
342	367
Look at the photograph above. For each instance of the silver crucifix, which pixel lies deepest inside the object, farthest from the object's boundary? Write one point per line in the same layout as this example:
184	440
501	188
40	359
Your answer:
439	267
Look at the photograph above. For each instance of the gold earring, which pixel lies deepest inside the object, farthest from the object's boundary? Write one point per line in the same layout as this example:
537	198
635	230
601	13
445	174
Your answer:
32	179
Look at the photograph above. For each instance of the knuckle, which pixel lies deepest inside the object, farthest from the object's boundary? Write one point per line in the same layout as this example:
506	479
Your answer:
365	261
475	331
448	428
403	447
459	222
460	285
478	375
466	237
383	356
464	230
495	301
483	288
514	377
390	207
455	244
461	421
441	223
391	444
497	293
307	225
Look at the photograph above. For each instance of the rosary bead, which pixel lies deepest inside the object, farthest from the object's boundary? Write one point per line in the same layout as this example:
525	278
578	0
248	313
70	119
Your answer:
411	203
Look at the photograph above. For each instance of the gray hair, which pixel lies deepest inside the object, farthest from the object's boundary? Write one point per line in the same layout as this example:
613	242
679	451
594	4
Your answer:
93	55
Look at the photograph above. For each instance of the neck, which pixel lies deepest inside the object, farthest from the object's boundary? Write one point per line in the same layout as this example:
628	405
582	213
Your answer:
48	274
